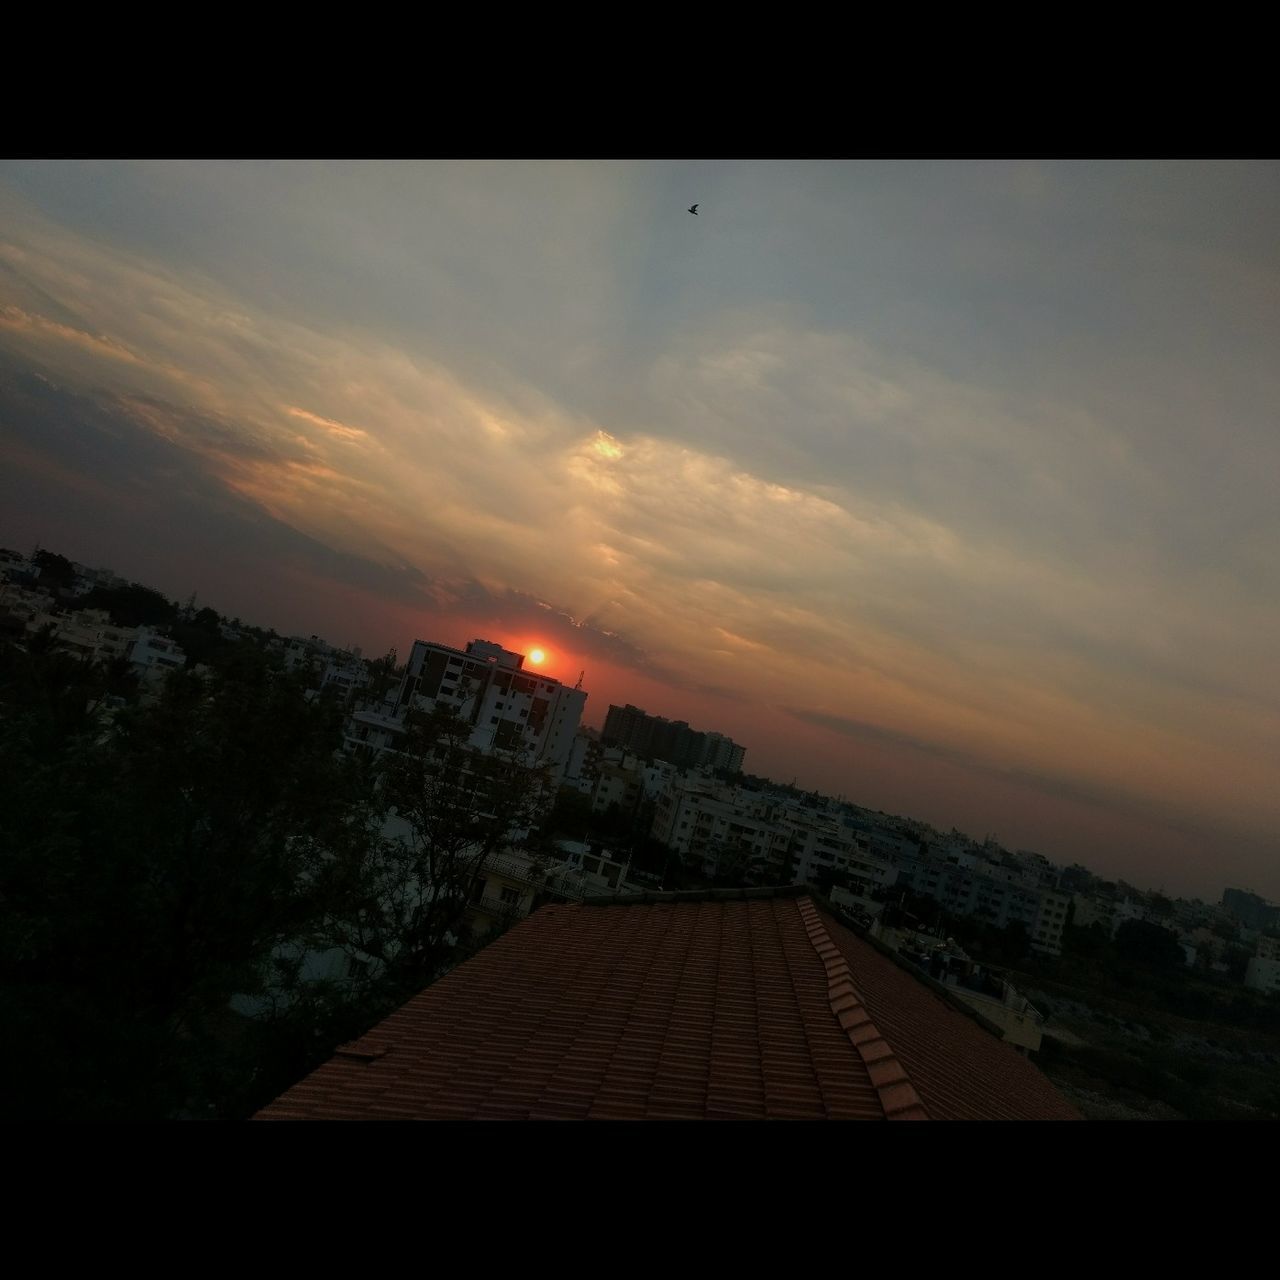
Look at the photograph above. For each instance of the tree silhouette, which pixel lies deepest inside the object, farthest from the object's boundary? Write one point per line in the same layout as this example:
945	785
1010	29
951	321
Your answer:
152	861
399	903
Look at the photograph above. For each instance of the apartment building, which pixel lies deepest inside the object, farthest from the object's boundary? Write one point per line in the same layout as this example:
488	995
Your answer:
784	840
509	708
657	738
994	893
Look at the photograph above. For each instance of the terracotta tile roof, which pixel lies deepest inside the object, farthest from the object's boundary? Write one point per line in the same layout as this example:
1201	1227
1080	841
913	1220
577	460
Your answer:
959	1070
761	1007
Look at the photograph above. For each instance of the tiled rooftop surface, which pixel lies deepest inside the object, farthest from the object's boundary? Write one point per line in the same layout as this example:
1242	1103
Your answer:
758	1009
960	1071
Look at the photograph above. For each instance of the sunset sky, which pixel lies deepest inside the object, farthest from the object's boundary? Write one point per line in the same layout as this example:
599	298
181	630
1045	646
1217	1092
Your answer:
950	487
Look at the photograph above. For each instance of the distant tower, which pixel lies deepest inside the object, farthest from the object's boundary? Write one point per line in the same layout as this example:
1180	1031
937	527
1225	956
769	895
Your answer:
582	675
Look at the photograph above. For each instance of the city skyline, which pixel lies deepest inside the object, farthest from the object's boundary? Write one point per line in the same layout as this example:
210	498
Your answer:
945	486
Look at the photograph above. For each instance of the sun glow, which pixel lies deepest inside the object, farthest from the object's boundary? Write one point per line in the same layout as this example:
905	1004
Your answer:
537	656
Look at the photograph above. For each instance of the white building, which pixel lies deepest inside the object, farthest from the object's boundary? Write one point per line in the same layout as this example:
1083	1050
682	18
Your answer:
308	652
509	709
151	650
695	816
345	673
783	839
1050	920
594	870
997	894
584	760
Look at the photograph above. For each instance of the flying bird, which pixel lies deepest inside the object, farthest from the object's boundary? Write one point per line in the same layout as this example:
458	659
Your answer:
693	209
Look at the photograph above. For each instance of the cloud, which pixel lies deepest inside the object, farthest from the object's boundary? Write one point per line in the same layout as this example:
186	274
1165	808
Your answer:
931	458
904	585
21	322
157	456
339	429
1178	816
1061	787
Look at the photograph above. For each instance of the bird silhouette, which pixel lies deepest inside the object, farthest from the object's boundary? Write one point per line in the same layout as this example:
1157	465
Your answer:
693	209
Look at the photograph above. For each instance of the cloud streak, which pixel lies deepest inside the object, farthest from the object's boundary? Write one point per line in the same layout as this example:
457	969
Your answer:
980	488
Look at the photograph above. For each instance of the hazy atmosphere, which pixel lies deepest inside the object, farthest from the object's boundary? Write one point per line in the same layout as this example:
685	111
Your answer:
949	487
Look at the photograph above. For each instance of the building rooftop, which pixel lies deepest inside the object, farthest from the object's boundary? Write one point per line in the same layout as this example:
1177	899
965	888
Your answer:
751	1004
493	654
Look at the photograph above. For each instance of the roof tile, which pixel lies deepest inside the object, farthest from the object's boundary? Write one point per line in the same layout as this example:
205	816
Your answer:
724	1009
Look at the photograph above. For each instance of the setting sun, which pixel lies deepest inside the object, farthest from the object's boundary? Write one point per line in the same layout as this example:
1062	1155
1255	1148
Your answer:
536	656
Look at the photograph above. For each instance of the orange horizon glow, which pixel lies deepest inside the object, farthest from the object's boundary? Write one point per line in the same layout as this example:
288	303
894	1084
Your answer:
921	594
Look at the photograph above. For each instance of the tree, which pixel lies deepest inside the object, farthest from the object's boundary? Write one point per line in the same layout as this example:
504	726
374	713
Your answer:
130	606
402	901
200	638
1139	942
55	571
735	865
1091	942
1227	930
150	869
382	676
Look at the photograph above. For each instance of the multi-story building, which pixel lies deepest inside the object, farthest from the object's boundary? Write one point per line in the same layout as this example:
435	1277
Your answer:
1045	873
721	753
88	633
657	738
618	783
697	817
995	894
779	838
512	884
509	709
345	673
150	651
584	760
1250	910
306	653
594	869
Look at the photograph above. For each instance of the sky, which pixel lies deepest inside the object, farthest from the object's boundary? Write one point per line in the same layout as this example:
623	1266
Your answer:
945	486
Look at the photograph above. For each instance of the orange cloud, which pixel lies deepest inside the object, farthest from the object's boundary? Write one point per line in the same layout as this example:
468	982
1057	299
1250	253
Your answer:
38	326
337	429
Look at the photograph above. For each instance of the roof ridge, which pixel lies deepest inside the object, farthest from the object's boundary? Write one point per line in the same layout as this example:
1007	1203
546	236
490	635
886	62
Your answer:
898	1095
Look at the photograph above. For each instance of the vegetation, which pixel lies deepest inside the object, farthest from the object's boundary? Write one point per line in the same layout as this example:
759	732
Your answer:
165	859
1151	1035
172	862
397	905
56	572
1146	1034
130	606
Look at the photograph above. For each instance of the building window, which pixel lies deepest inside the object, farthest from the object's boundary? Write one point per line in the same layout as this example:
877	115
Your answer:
510	896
